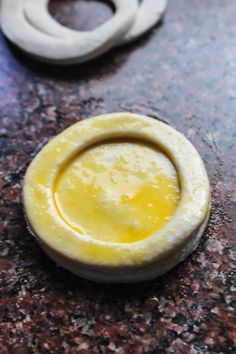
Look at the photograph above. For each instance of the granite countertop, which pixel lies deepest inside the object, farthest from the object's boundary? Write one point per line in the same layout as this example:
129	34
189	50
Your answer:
184	73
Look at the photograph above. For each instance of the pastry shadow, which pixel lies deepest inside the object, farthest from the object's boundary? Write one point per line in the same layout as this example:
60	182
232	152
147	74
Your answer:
106	64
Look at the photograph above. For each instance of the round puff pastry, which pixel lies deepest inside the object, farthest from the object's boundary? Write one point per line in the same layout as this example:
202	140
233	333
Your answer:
100	259
79	47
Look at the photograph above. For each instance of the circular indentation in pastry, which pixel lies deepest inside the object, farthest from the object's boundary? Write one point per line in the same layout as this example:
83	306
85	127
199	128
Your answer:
117	191
52	44
58	231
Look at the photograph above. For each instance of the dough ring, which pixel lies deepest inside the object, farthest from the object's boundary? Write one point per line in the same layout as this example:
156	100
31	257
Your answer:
149	13
63	50
108	261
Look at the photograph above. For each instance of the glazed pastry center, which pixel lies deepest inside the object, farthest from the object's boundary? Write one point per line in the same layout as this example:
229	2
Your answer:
117	191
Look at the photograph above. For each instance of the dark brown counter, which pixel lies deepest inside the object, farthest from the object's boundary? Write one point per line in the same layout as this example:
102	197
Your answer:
184	72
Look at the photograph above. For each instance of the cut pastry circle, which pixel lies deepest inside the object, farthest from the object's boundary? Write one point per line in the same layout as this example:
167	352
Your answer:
78	48
101	259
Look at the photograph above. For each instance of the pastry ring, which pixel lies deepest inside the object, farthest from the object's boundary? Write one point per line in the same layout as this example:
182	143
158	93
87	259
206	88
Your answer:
52	205
78	48
148	14
28	24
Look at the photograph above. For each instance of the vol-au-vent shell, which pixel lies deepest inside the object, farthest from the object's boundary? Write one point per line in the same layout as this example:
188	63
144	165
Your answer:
68	160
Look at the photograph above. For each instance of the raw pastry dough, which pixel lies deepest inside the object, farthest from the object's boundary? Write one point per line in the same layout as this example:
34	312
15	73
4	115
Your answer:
60	50
148	14
28	24
100	259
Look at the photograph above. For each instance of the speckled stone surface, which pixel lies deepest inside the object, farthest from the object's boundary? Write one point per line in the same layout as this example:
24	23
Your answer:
184	73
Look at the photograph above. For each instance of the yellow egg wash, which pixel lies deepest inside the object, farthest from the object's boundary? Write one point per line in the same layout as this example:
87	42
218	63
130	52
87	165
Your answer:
118	191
